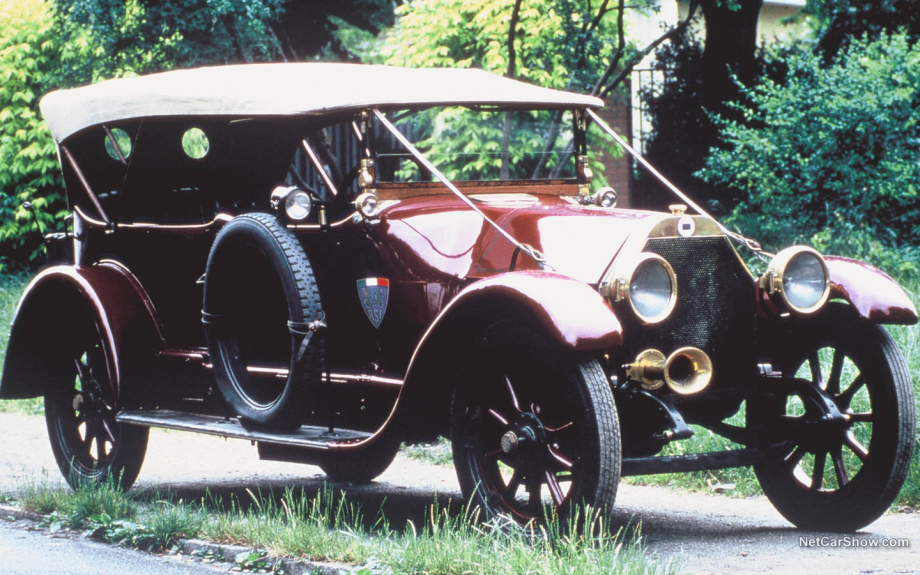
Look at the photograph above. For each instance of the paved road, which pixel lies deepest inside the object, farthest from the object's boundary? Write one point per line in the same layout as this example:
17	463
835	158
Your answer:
704	533
24	552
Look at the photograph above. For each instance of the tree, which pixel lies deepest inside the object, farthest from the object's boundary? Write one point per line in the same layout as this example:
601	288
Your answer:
831	155
139	36
731	42
29	58
575	45
839	21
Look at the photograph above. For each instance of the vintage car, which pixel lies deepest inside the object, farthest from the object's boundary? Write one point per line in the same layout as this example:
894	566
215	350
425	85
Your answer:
332	259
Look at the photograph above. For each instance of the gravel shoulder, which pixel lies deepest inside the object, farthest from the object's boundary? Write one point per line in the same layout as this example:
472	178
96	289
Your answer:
702	533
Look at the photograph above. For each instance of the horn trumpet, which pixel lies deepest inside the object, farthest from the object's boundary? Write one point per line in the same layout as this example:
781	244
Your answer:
686	371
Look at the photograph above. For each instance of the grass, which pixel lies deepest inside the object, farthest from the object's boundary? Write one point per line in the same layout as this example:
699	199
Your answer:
327	527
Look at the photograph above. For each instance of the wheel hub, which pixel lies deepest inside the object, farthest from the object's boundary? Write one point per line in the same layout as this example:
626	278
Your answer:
525	436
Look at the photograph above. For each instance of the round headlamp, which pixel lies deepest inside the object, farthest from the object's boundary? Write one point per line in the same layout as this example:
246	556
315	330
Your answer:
297	203
649	284
367	205
798	278
605	197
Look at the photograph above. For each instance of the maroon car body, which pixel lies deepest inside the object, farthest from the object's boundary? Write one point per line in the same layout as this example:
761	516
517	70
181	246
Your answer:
254	253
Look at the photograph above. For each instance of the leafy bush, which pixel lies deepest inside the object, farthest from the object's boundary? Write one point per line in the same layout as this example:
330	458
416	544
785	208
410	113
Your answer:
28	164
834	148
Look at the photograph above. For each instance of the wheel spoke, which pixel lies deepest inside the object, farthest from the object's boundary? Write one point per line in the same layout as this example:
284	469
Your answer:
817	474
560	458
499	417
491	454
89	434
560	428
815	365
843	401
840	467
796	456
856	447
81	372
833	380
554	490
535	499
108	431
514	399
512	487
865	416
100	448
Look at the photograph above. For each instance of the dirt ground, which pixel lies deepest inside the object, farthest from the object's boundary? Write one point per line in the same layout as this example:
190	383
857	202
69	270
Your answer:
702	533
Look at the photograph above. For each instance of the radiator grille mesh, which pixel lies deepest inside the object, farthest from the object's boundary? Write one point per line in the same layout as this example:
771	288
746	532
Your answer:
715	308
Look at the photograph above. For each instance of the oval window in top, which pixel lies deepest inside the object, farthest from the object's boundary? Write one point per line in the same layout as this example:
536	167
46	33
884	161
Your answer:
122	139
195	143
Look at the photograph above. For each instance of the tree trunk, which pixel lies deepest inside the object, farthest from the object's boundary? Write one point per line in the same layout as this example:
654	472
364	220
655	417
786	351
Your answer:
731	43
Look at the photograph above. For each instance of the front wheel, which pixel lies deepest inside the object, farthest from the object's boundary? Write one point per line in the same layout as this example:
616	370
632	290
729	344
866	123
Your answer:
847	425
90	447
534	428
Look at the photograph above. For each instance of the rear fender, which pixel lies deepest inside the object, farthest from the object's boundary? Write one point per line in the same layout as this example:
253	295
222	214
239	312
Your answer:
872	293
570	312
55	303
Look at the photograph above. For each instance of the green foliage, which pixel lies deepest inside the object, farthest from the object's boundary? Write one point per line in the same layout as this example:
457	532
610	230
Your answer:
835	148
29	58
77	509
556	45
158	527
140	36
839	21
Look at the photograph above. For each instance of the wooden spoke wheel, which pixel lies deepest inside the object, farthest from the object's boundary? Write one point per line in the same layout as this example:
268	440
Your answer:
845	424
534	428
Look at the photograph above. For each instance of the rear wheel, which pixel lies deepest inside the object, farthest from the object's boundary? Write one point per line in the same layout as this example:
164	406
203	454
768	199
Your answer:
89	446
847	425
534	428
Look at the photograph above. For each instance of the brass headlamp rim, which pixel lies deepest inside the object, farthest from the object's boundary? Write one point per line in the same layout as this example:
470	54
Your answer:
772	280
620	278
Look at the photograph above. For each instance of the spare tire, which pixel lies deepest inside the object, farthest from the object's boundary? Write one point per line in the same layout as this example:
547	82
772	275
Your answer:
261	313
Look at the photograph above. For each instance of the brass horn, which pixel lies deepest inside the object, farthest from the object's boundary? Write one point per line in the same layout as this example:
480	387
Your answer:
688	370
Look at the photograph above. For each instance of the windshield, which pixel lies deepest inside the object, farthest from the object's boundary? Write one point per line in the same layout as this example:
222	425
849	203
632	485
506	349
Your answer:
478	144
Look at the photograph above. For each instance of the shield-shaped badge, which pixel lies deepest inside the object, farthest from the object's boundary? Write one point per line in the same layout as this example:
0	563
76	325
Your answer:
374	294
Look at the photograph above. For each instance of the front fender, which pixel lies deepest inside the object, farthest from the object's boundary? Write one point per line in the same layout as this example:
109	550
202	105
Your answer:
871	292
570	312
55	303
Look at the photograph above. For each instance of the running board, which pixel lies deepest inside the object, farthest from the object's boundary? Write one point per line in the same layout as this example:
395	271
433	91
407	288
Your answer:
312	437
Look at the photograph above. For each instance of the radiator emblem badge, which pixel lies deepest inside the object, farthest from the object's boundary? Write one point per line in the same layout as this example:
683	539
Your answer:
374	294
686	226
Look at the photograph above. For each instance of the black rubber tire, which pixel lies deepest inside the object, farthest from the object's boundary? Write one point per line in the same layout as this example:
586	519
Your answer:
564	398
259	279
89	446
867	468
363	466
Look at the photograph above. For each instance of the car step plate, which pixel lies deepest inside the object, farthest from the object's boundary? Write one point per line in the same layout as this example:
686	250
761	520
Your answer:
307	436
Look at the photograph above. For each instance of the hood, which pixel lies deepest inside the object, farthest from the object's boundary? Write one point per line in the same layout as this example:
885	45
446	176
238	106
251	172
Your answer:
438	236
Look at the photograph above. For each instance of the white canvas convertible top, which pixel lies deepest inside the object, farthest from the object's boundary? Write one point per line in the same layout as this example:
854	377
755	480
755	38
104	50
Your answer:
289	90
